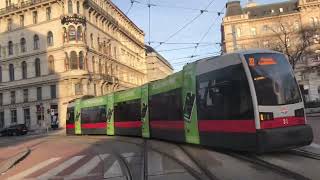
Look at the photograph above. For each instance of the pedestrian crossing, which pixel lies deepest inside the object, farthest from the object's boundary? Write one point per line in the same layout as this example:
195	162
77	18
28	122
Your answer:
86	169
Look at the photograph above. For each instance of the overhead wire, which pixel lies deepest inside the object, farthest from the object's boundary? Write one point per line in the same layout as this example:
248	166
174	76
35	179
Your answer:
187	24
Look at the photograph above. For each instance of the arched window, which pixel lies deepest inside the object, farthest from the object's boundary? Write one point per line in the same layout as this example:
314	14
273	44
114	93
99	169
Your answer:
106	68
23	45
98	42
73	60
0	73
51	64
36	44
100	66
24	70
66	61
11	72
93	65
50	38
37	67
81	60
72	33
91	40
79	33
78	7
65	35
70	7
10	48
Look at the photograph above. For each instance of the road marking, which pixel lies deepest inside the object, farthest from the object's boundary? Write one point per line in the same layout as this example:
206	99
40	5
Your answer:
315	145
53	172
85	169
128	156
114	171
33	169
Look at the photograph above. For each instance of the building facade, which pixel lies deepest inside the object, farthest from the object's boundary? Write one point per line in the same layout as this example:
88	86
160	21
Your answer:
157	66
53	51
257	26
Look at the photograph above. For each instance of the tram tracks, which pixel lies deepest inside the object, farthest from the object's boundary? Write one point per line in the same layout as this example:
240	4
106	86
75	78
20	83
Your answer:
306	154
275	168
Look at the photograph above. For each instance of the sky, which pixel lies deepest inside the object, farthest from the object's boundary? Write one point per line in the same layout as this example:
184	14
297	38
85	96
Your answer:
167	17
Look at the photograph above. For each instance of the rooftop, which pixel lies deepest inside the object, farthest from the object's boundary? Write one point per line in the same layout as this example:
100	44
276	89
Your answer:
149	49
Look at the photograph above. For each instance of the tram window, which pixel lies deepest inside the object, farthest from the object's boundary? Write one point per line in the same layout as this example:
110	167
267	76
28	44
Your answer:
224	94
188	106
166	106
128	111
70	115
93	114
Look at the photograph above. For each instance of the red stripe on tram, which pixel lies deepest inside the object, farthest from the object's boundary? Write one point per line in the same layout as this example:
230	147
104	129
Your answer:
230	126
70	126
94	125
167	124
128	124
282	122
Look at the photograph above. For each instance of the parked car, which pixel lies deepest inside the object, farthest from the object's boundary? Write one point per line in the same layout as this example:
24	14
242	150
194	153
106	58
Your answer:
14	130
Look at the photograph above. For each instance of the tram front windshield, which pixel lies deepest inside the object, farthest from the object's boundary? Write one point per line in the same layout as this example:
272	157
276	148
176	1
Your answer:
273	79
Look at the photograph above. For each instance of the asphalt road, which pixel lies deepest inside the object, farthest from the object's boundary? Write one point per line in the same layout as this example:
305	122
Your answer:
315	124
58	156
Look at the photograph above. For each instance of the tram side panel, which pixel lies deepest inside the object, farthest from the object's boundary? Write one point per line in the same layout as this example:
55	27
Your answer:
127	113
70	127
93	120
225	109
165	109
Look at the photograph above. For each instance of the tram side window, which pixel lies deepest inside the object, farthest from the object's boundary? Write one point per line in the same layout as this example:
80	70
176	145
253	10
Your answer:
166	106
128	111
70	115
224	94
93	114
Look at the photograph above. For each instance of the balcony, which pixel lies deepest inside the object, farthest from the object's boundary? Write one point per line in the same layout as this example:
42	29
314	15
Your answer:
75	19
24	4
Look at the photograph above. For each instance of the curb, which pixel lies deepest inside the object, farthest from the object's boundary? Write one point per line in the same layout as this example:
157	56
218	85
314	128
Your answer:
9	163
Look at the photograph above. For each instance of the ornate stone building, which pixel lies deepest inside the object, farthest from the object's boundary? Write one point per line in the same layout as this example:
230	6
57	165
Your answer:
157	66
256	26
53	51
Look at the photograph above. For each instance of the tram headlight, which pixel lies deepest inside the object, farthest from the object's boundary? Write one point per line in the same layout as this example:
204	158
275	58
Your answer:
299	112
265	116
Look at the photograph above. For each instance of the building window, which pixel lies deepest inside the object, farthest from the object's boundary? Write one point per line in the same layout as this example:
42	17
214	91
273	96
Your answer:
314	21
48	13
78	7
2	125
51	64
0	73
79	33
74	60
238	32
265	27
1	99
35	17
253	31
26	115
23	45
21	20
281	10
72	33
78	89
10	48
36	43
50	38
115	52
37	67
25	95
70	7
93	65
39	93
13	97
13	116
24	70
266	44
91	40
53	91
9	25
11	72
296	25
8	3
81	60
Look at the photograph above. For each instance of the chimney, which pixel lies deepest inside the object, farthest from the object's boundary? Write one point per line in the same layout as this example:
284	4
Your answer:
233	8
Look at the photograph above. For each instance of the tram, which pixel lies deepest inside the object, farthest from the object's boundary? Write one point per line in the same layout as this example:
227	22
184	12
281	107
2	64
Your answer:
243	101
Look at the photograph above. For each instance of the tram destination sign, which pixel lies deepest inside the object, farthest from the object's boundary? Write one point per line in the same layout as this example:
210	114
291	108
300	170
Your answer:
75	19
